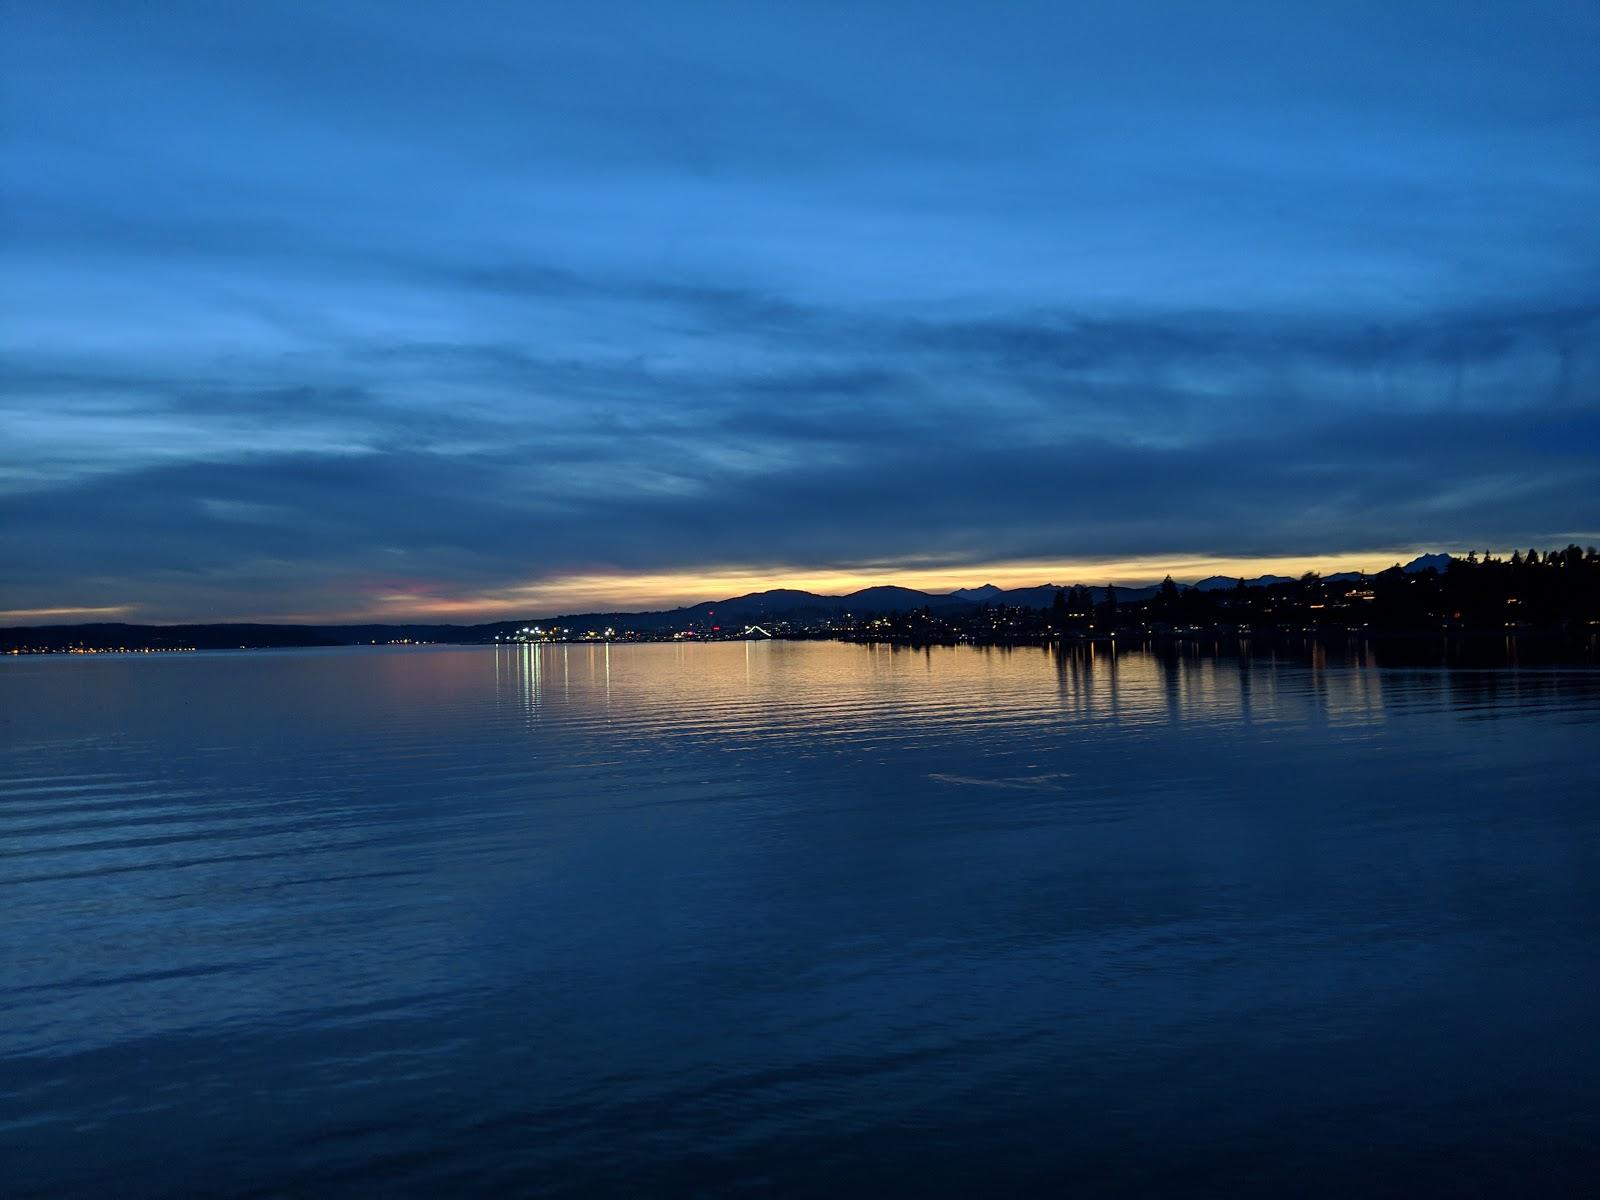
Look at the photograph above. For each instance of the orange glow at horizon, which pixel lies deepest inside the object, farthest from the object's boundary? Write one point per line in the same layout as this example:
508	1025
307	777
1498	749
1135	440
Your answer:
636	592
619	591
35	614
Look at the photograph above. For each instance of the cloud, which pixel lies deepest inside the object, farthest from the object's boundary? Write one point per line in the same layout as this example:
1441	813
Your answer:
321	309
348	528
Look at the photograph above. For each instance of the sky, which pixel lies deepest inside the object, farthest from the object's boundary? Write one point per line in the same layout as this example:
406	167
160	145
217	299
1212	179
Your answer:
342	310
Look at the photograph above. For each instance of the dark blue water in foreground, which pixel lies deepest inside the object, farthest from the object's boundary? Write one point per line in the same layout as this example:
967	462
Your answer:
803	919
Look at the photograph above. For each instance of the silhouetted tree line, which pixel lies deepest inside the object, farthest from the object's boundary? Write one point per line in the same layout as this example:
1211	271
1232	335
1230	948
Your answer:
1551	591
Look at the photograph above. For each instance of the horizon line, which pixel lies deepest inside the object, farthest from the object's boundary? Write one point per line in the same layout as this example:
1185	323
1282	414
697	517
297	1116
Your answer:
602	594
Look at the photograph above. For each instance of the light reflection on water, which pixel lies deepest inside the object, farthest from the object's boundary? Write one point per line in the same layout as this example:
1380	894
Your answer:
797	917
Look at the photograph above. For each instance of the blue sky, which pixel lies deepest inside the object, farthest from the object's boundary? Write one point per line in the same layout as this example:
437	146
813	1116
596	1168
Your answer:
342	309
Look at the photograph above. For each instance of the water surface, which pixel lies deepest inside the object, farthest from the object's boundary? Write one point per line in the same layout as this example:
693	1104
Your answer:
796	919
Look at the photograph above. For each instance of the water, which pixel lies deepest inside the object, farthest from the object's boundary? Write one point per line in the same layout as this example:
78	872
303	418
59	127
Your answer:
796	919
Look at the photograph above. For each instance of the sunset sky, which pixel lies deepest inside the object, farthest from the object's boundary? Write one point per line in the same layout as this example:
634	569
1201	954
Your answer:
337	310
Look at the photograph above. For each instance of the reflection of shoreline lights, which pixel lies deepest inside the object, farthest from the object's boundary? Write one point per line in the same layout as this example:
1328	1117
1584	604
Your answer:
526	673
822	689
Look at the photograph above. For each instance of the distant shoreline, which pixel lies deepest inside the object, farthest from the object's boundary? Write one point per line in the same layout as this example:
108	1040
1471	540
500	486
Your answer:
1554	596
1463	647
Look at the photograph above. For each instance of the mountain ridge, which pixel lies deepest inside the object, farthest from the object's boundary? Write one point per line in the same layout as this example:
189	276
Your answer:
734	612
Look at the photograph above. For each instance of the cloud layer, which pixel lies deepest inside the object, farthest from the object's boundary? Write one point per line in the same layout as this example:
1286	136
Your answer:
335	310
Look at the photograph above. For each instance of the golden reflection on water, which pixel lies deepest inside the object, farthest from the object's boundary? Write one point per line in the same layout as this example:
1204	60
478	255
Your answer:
831	686
552	896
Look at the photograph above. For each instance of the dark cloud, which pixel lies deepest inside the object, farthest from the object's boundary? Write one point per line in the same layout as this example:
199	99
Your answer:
472	522
322	303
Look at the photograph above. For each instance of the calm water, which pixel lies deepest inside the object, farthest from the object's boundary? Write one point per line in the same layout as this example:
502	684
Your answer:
793	918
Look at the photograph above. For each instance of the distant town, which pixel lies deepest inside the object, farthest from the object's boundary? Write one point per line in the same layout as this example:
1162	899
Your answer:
1555	592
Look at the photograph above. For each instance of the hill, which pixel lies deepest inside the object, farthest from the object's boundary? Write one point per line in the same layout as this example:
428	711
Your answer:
792	606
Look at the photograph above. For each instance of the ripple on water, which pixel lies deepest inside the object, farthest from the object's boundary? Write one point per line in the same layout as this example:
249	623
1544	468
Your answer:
673	919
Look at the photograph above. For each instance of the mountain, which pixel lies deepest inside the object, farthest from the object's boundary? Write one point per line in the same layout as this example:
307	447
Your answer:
889	598
734	613
987	591
1427	562
1042	596
786	604
1215	583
